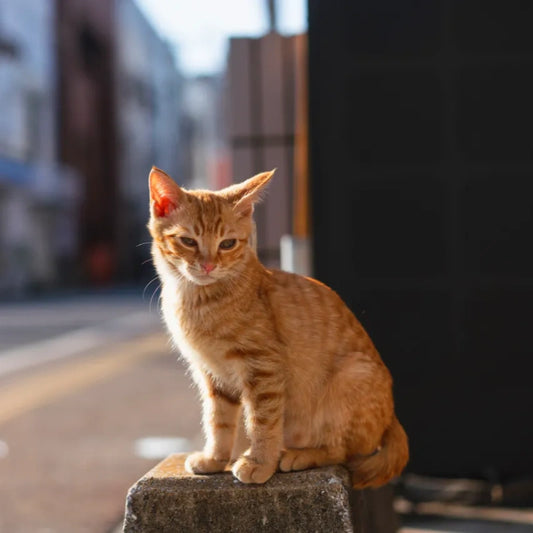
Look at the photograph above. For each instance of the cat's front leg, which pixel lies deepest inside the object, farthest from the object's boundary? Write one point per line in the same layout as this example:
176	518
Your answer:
220	416
263	401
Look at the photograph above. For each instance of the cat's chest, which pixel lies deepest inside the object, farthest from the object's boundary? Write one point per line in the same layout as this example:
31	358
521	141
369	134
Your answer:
196	336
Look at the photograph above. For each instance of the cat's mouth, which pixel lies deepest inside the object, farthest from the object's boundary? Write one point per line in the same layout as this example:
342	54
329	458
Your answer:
202	278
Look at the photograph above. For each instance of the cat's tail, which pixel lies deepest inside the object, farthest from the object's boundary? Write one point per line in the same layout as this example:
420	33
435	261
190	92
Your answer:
386	463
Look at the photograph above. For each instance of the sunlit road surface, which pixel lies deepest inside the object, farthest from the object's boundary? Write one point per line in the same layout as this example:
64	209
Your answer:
91	396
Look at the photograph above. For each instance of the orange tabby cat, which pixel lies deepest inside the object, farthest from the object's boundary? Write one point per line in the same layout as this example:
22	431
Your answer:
285	348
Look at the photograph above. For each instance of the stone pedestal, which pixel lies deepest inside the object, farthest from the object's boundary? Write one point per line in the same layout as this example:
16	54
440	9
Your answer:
168	499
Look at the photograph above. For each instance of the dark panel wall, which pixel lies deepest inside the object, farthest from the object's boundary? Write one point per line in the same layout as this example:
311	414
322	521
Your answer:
421	128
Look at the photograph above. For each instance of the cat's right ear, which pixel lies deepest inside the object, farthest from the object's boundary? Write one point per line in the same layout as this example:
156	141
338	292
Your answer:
244	195
165	195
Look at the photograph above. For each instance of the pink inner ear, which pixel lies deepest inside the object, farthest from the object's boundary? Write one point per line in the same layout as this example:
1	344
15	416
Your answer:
164	193
163	207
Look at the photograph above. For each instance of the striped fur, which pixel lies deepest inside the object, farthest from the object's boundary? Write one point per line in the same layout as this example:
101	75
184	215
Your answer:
282	351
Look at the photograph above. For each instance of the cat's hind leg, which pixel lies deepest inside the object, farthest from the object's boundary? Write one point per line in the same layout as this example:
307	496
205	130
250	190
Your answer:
302	458
347	419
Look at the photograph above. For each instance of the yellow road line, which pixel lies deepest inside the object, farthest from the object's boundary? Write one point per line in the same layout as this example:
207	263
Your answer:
36	391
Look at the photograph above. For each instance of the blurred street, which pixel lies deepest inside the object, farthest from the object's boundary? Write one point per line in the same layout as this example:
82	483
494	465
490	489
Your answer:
75	426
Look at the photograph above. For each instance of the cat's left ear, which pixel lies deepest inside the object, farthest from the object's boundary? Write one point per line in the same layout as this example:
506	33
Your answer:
244	195
165	194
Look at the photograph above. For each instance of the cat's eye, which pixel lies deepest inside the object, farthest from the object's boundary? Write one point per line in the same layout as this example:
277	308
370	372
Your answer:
227	244
187	241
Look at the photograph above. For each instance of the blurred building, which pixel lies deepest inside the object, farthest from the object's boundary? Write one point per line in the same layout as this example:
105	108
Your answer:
266	84
37	194
149	114
120	95
205	134
87	125
90	99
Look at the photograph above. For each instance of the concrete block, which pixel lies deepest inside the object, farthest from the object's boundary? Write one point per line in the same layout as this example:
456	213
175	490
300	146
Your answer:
168	499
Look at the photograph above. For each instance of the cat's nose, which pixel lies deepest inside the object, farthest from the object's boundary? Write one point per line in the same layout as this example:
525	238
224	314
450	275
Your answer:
208	267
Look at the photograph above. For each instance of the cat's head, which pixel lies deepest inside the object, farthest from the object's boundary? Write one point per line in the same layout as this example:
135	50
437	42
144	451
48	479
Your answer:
203	235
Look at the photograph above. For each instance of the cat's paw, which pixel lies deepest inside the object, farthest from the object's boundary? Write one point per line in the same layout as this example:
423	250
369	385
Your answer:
248	470
200	463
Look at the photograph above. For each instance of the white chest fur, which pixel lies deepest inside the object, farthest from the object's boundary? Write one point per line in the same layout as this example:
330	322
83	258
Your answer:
202	351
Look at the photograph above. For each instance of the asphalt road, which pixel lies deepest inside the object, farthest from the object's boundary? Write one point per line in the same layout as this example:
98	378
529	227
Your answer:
25	322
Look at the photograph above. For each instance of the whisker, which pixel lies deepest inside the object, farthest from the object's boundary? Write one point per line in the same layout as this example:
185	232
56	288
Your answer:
142	244
152	297
148	284
146	261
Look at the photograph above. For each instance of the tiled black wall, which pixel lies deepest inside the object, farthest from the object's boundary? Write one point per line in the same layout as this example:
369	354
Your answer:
421	128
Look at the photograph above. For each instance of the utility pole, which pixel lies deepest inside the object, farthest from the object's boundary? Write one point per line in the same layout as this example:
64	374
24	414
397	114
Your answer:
272	16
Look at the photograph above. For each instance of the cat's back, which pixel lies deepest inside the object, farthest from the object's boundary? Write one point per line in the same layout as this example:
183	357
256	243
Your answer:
297	296
311	313
302	289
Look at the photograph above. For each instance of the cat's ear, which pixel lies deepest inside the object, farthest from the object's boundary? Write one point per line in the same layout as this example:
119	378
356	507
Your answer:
244	195
165	195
